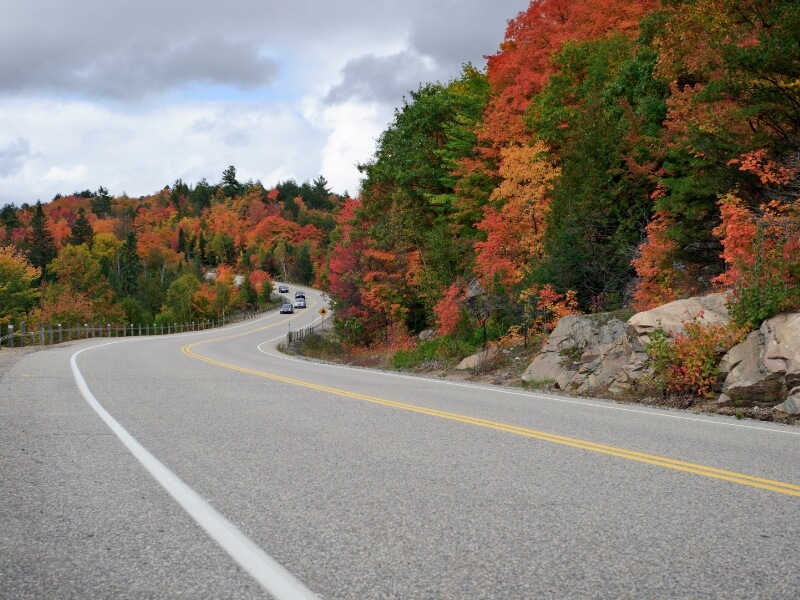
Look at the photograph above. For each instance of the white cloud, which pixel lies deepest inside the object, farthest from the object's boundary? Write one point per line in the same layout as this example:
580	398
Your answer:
69	176
144	92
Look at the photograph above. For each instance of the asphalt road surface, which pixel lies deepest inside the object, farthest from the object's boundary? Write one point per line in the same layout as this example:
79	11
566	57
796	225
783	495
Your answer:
209	465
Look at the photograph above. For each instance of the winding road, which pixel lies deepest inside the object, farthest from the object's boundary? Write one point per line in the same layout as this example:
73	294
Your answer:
210	465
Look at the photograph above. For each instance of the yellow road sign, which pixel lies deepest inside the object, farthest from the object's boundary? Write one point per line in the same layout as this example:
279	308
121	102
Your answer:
323	312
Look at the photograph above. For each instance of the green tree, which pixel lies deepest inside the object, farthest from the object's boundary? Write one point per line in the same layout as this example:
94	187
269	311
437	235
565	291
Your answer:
179	297
39	244
130	266
601	113
302	270
101	203
18	290
81	231
247	294
230	186
9	217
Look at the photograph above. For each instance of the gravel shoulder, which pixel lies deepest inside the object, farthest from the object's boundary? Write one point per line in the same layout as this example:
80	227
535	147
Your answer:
11	356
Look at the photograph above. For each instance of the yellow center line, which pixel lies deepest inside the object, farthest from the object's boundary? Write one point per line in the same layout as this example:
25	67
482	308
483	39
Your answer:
651	459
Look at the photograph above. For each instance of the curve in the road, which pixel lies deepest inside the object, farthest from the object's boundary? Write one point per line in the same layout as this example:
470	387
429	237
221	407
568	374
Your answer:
678	465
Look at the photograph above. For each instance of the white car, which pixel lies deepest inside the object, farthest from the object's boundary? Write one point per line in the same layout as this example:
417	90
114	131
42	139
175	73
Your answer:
300	303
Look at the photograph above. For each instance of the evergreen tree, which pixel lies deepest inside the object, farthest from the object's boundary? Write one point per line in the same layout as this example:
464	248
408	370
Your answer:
101	203
230	186
248	296
182	241
39	244
8	217
81	231
303	269
130	266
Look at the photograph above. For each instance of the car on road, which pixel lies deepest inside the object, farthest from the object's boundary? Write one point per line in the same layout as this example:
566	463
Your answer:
286	308
283	289
300	294
300	303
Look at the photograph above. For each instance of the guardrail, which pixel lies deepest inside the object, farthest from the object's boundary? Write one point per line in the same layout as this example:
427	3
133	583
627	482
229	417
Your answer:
299	334
40	334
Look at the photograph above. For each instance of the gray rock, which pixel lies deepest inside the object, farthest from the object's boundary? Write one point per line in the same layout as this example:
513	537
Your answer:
477	360
761	370
576	351
427	334
708	310
792	403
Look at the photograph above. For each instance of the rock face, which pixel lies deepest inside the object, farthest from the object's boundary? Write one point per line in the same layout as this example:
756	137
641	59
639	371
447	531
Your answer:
587	353
582	352
764	370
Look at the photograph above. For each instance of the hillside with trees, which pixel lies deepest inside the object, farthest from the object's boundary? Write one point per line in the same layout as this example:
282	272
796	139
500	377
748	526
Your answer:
170	257
613	154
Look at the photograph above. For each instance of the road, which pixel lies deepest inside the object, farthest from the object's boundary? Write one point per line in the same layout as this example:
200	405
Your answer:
210	465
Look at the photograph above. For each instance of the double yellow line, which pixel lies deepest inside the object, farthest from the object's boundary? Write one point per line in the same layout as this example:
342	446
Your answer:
651	459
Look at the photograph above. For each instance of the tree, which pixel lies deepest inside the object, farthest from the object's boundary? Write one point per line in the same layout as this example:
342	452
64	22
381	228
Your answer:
18	291
179	297
514	233
247	294
230	186
303	269
40	245
81	230
101	203
130	266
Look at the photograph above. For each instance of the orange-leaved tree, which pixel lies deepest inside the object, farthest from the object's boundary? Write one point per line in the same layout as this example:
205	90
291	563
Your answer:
514	232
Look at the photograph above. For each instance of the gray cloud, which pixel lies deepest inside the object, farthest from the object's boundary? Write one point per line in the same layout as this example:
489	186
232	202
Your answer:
382	79
142	70
13	155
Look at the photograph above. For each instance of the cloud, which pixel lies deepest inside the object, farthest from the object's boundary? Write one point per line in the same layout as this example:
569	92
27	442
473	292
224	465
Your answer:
381	79
62	175
143	92
130	73
13	155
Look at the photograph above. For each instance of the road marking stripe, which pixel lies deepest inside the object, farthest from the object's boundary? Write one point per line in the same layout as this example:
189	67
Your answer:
275	579
679	465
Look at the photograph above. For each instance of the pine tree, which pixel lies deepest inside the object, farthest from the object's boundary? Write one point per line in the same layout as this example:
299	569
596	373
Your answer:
101	203
130	266
81	231
40	245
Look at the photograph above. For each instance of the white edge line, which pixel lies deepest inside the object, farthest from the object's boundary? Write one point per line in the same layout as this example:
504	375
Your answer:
274	578
499	390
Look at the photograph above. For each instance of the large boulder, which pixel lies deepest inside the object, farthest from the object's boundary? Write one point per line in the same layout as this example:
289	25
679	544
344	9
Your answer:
764	370
581	352
706	310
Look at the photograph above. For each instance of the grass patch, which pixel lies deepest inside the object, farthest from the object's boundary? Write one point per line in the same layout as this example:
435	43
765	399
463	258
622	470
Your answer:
440	351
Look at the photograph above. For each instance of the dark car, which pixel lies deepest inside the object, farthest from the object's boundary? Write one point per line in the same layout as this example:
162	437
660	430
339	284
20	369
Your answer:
299	294
286	308
283	289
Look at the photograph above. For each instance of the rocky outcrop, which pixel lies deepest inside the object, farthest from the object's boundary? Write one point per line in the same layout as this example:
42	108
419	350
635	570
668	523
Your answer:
581	353
588	352
764	370
706	310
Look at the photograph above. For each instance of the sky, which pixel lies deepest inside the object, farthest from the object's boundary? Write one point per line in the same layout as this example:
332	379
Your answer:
133	95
